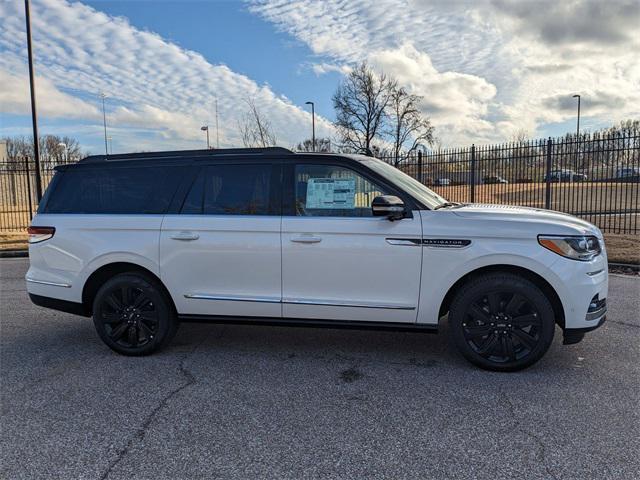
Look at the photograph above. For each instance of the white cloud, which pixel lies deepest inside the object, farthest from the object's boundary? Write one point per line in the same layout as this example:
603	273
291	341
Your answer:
15	98
486	69
151	83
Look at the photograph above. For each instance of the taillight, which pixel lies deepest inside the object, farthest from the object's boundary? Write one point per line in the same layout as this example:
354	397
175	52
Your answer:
40	234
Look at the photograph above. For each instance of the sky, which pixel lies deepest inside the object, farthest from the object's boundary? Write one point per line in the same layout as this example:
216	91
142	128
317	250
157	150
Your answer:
486	69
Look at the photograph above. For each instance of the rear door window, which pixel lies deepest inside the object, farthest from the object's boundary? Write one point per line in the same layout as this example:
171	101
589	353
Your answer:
231	190
115	190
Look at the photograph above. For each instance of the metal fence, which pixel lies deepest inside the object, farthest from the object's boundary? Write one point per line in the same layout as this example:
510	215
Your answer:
596	177
18	200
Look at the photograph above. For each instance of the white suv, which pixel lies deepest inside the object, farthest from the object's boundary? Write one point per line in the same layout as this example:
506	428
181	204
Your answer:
142	242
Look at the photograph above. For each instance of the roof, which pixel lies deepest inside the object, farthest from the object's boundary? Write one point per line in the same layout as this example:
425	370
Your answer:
188	153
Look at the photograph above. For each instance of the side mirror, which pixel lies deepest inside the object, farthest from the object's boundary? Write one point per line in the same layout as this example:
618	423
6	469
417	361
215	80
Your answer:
388	206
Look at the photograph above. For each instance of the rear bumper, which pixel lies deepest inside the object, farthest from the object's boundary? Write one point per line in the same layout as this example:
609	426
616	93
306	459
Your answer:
60	305
575	335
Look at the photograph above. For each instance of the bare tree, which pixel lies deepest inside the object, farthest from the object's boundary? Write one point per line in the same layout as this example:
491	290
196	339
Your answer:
323	145
520	136
407	126
360	103
52	148
255	129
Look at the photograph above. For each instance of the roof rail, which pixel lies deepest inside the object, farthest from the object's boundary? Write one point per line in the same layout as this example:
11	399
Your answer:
187	153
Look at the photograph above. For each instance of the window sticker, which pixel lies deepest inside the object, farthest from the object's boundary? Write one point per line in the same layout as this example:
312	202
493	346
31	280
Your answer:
331	193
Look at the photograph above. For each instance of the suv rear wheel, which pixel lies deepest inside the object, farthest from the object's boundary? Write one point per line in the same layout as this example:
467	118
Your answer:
133	315
501	321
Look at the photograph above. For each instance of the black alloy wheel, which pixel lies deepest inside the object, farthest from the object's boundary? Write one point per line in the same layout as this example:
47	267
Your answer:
132	315
502	326
501	321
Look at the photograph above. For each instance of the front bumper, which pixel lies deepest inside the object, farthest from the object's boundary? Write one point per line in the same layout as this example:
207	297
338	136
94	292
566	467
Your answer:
582	288
575	335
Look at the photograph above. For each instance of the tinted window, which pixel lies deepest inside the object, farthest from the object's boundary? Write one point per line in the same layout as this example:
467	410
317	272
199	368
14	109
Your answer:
231	190
193	202
116	190
329	190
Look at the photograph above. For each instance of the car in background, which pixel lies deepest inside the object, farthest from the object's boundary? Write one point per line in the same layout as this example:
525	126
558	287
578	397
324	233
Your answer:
442	182
493	180
627	172
565	175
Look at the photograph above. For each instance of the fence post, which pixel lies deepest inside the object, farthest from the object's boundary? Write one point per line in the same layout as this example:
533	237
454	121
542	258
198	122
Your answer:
26	165
547	177
473	173
420	166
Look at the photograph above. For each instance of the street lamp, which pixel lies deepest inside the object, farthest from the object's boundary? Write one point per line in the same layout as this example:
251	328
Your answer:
205	128
313	124
104	119
577	134
578	125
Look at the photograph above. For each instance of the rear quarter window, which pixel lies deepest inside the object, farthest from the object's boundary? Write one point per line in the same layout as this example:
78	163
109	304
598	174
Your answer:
114	190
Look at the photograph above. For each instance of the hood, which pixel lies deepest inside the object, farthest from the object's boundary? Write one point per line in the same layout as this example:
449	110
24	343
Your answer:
525	218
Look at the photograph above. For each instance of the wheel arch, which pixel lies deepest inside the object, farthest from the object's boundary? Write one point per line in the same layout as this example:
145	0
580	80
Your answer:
105	272
530	275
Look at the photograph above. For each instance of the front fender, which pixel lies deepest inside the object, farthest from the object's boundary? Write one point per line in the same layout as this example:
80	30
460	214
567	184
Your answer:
442	268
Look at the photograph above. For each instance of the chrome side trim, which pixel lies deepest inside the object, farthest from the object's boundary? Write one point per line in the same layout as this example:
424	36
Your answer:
231	298
409	242
296	301
327	303
53	284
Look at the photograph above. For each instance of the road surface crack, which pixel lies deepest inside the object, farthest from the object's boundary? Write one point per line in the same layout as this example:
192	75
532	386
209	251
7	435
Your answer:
542	450
141	432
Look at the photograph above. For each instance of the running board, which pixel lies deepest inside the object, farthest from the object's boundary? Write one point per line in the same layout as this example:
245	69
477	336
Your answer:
310	323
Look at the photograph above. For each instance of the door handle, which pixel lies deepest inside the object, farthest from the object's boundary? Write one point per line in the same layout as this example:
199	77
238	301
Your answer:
306	239
185	236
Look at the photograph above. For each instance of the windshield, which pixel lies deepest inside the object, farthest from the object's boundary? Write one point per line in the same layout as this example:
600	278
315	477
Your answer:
409	184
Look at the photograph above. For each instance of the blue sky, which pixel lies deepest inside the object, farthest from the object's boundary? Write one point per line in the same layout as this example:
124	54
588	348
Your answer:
226	32
486	70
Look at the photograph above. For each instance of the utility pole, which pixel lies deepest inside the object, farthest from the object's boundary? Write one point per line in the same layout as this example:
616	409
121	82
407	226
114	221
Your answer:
313	124
104	119
34	115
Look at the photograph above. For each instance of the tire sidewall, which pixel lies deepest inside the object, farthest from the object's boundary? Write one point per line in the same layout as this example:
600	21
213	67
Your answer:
166	322
501	282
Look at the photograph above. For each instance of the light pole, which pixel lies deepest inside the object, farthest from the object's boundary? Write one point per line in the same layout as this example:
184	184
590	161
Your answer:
205	128
577	134
313	124
110	138
34	115
104	120
578	125
217	130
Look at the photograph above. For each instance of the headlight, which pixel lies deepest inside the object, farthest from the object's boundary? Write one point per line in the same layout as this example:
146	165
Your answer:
583	248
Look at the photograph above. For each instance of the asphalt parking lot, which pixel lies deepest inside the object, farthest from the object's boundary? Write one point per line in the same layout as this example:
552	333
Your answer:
273	402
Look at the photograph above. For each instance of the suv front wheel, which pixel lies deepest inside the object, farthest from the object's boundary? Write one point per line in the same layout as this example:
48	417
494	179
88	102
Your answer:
133	315
501	321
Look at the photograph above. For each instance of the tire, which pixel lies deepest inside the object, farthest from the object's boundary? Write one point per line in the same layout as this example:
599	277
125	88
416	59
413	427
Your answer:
133	315
501	322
